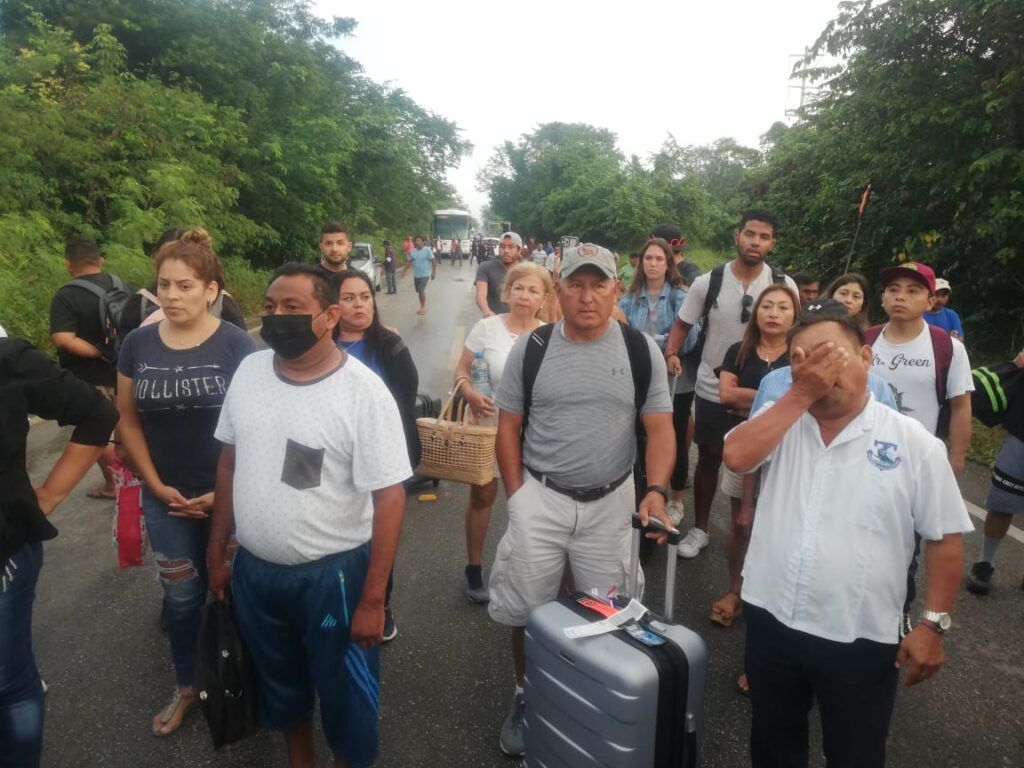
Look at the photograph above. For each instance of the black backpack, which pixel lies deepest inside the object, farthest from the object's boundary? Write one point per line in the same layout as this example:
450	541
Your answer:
112	302
639	366
696	352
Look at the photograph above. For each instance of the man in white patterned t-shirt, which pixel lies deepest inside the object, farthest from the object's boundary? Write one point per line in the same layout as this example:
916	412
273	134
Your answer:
310	480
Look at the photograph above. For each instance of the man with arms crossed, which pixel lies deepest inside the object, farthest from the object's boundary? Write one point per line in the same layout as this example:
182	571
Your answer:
850	482
491	274
567	500
310	479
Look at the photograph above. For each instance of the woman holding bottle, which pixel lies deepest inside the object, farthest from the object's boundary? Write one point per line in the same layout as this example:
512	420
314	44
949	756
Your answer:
525	290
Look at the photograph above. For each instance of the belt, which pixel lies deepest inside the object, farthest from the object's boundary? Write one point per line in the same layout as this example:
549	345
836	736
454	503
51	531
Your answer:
580	494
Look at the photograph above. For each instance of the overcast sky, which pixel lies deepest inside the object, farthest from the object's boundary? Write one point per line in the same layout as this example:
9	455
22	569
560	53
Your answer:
643	69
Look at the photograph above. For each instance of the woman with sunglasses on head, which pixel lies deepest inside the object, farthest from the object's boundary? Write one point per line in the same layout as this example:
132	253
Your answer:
650	305
525	289
851	290
171	382
362	335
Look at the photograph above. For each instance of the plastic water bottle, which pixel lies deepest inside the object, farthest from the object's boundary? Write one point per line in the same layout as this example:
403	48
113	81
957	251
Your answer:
481	373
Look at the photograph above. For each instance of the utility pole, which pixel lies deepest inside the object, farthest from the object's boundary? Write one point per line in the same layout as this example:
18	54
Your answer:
803	84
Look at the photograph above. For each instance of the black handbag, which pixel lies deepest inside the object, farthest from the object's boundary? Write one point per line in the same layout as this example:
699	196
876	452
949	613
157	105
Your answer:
224	676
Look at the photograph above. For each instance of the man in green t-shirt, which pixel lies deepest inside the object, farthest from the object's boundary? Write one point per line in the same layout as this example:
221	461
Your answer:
626	272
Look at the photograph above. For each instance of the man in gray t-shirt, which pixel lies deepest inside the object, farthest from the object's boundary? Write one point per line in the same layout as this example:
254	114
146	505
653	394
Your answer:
491	274
569	479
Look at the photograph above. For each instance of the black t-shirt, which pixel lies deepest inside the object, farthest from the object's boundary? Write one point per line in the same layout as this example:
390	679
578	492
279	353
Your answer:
689	271
753	370
30	382
493	273
178	394
76	310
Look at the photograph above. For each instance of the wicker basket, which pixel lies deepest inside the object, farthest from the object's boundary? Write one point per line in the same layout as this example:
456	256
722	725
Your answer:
451	449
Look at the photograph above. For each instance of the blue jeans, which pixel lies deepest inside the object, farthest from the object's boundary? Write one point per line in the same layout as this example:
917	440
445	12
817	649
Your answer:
391	282
21	692
179	549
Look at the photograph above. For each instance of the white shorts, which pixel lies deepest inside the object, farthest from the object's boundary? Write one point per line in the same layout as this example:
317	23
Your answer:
545	528
732	483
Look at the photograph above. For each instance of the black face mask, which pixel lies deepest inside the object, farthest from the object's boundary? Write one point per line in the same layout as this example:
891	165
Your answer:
290	336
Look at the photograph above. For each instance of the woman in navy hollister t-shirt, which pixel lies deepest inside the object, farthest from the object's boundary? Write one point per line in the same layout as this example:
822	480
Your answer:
172	378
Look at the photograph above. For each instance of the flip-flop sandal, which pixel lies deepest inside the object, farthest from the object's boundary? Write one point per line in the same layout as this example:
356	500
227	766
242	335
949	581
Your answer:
743	685
725	618
178	701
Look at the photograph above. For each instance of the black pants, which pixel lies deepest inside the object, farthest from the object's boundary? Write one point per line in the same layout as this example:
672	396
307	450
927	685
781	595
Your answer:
854	684
682	403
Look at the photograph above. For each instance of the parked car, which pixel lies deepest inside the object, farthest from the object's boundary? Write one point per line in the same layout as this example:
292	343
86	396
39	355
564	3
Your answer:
361	257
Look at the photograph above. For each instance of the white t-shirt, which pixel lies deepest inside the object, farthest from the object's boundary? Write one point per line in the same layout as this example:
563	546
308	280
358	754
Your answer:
834	530
724	320
308	456
3	333
909	370
495	340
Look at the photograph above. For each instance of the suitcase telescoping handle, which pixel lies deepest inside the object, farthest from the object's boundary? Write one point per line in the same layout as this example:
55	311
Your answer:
670	571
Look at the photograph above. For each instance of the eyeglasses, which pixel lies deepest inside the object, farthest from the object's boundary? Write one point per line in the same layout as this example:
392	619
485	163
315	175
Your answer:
748	300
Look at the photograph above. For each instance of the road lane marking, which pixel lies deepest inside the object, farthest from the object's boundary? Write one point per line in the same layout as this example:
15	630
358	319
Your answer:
1014	532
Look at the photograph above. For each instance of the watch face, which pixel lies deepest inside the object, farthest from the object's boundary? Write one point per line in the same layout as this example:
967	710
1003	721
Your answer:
945	622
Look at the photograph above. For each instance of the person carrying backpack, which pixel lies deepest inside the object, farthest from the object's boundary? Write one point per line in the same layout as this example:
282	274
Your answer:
85	318
719	304
570	397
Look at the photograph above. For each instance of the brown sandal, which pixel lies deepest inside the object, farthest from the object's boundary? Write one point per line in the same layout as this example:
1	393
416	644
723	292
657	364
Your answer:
723	614
178	707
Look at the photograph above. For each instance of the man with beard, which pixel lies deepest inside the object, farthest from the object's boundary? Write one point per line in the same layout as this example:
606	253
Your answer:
335	245
721	301
491	274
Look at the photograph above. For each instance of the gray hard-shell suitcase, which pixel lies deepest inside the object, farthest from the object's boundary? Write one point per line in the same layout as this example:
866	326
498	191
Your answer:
610	700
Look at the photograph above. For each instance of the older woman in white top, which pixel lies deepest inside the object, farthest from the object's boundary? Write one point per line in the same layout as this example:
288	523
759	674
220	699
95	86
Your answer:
526	288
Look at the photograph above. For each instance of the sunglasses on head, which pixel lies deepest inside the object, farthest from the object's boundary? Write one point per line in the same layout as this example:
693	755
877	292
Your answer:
748	300
675	242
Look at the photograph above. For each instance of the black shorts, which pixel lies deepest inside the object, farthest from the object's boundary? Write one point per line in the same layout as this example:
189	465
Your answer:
420	283
711	422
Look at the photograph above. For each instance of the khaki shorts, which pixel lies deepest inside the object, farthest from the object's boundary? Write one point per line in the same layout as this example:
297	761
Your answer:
544	529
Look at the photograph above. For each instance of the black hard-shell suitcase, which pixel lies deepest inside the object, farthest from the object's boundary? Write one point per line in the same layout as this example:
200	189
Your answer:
427	407
611	700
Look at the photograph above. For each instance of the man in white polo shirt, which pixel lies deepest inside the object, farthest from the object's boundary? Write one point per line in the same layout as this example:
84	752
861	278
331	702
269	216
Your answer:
848	485
313	464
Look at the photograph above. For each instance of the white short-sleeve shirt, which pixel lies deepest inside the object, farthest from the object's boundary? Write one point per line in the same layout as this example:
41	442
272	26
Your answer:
909	370
834	530
491	336
724	321
308	456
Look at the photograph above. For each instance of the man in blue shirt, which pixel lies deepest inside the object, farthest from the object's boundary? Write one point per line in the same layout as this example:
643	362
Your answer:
424	269
942	316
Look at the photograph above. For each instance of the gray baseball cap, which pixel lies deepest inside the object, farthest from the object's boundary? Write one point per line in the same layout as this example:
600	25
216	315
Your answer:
588	254
517	241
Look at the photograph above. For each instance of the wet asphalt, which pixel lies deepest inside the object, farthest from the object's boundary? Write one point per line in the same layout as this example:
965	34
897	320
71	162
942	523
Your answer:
447	679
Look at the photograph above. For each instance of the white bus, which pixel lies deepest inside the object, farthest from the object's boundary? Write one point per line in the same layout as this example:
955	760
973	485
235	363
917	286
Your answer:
450	223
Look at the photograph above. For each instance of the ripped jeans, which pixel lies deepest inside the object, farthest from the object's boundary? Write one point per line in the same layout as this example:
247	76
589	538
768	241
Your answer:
21	692
179	549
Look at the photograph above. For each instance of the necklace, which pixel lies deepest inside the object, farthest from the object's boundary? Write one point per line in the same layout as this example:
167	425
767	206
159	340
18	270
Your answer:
348	345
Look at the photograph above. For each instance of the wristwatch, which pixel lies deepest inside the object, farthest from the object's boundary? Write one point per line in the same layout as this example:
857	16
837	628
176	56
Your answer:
934	620
658	489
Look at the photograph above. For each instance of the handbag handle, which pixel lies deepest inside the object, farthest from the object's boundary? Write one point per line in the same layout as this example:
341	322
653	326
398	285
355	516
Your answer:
446	412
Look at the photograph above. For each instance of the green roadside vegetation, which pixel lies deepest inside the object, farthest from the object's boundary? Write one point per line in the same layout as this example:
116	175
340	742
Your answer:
121	119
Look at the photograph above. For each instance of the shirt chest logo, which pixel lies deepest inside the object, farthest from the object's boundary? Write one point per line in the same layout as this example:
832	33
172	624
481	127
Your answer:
883	455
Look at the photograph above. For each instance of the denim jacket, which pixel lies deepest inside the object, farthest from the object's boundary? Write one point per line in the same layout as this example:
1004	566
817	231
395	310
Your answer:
655	321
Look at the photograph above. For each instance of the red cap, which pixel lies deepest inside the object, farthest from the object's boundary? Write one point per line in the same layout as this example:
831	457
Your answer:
915	270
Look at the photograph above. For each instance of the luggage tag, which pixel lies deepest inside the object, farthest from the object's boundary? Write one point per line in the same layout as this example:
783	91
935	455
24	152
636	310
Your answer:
634	630
631	612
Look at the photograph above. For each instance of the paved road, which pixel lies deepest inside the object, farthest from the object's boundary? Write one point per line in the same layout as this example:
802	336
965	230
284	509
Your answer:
447	677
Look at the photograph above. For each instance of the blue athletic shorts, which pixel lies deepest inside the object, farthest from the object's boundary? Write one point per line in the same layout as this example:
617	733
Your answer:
295	620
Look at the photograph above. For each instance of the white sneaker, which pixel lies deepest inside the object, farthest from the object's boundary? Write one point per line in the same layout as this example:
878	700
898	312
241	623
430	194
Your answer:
691	545
675	512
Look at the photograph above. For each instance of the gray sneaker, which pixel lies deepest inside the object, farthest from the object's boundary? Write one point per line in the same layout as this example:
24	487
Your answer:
512	729
479	595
